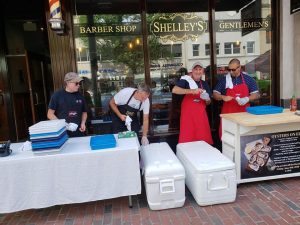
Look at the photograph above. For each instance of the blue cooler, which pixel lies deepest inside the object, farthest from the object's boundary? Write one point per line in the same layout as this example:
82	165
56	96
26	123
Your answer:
103	141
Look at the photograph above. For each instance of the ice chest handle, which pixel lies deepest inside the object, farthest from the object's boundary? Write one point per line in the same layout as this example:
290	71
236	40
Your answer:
210	179
166	186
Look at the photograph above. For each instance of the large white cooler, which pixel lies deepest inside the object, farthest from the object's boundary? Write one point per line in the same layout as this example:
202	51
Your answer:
210	176
164	177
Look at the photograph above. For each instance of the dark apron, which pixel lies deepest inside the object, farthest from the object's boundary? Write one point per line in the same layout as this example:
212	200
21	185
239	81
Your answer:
118	125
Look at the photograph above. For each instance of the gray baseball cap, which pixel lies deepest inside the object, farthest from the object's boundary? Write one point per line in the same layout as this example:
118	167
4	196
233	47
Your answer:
72	77
197	63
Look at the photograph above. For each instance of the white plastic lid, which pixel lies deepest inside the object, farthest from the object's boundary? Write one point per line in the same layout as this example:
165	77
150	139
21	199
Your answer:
203	157
159	160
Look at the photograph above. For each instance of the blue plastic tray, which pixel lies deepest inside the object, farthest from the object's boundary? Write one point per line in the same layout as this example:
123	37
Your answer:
264	109
49	144
103	141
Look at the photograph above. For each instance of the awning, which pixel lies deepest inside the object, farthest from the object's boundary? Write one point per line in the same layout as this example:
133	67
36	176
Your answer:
262	63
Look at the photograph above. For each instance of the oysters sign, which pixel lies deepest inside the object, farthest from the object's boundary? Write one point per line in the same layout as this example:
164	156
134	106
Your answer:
177	27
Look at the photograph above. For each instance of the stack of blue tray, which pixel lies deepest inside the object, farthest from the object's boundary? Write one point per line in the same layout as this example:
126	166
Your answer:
264	109
103	141
48	135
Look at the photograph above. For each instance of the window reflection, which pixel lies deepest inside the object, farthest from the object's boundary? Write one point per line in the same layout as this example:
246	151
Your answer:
108	61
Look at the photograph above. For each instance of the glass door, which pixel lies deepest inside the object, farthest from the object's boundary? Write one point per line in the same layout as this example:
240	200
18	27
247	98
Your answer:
177	36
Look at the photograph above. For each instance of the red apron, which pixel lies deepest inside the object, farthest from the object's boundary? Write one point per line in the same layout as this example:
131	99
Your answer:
194	124
232	106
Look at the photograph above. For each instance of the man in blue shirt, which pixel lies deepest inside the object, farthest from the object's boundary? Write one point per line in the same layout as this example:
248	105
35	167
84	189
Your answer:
236	90
194	125
69	104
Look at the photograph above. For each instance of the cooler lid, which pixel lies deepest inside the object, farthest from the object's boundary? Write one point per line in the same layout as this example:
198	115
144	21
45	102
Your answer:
203	157
159	160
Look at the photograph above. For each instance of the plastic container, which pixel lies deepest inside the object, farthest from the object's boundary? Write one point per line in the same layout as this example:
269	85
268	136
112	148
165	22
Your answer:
163	177
293	105
103	141
210	176
264	109
52	144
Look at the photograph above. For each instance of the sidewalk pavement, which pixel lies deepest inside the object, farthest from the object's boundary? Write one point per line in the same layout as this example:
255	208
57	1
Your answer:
267	202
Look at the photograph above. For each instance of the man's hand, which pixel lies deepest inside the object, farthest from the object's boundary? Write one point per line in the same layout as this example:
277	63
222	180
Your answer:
145	141
82	127
123	117
226	98
242	101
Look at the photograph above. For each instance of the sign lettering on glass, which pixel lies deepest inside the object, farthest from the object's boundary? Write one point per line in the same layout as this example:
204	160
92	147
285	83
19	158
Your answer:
236	25
174	27
105	29
177	27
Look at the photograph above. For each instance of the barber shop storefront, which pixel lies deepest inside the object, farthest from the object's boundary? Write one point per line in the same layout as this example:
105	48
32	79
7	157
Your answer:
120	43
157	42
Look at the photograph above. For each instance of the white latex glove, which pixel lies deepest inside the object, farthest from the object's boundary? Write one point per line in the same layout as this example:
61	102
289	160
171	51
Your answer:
71	126
205	96
145	141
242	101
128	121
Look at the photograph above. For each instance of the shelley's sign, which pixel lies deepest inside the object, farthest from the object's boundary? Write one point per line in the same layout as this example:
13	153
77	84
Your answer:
178	27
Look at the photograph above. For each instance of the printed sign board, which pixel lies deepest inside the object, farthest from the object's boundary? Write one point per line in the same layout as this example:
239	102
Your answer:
270	154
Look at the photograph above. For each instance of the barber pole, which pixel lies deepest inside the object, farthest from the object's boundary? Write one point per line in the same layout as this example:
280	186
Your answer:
55	9
56	21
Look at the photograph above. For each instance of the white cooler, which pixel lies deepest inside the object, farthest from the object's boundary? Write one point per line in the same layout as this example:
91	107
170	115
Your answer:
210	176
163	177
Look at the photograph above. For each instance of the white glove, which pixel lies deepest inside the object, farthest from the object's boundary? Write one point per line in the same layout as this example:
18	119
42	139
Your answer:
145	141
205	96
71	126
128	121
242	101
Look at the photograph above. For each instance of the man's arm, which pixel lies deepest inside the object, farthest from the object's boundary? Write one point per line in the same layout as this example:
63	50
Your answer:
51	115
254	96
145	124
83	121
182	91
115	109
219	97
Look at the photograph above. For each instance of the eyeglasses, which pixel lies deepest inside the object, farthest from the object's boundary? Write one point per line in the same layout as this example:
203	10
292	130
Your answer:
76	83
233	69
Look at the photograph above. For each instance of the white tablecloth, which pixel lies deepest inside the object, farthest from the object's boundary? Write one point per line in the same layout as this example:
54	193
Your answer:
73	175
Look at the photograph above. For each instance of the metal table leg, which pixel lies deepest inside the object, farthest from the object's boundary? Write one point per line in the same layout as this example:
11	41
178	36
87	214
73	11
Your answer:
130	201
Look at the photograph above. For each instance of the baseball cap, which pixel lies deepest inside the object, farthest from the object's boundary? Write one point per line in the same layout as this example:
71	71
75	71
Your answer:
197	63
72	77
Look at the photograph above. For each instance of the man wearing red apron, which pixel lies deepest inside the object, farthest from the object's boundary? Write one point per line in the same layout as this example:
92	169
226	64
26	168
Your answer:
236	90
194	125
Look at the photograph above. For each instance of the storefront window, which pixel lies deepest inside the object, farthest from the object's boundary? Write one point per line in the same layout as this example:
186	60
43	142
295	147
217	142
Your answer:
181	36
109	57
244	32
110	52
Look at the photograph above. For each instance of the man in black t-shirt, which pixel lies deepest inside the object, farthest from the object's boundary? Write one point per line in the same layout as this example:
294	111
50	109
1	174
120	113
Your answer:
70	105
